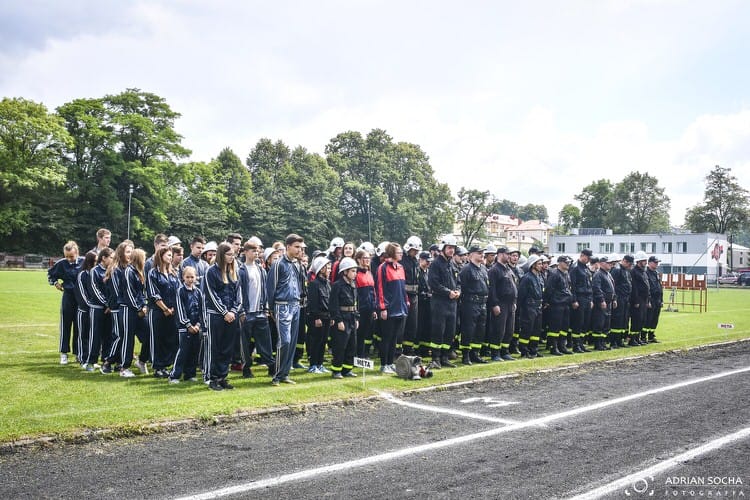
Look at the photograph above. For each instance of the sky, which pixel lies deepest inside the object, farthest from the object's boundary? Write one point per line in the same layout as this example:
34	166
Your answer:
530	100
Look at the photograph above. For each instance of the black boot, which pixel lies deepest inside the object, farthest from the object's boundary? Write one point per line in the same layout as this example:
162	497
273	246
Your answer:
476	358
524	349
633	341
446	363
582	345
533	352
553	350
466	357
513	348
495	355
612	337
644	338
561	345
505	354
652	338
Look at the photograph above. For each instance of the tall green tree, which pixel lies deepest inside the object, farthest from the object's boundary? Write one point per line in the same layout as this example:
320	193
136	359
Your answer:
533	212
596	204
639	205
725	207
237	183
32	171
568	218
472	208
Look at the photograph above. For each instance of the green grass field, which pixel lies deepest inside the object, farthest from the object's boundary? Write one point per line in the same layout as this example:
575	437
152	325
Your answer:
41	397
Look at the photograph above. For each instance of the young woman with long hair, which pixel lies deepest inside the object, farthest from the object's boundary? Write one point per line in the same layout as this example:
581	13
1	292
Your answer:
162	296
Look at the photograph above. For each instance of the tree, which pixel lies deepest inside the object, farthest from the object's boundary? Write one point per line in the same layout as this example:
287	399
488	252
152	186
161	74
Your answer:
472	208
32	144
596	204
569	217
533	212
725	206
639	205
507	207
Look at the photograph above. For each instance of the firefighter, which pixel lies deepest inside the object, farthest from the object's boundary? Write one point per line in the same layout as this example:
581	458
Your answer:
474	290
657	299
558	297
412	247
621	307
530	295
583	300
443	304
603	288
503	292
640	300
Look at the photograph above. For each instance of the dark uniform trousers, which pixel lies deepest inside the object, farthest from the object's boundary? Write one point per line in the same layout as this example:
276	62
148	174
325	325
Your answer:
364	333
221	341
580	319
501	327
601	320
409	341
638	312
652	320
558	316
443	324
473	318
531	327
344	345
621	317
424	324
68	311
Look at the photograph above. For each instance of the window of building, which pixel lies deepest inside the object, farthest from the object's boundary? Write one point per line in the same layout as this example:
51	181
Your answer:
606	247
681	247
627	247
581	246
666	247
648	247
560	247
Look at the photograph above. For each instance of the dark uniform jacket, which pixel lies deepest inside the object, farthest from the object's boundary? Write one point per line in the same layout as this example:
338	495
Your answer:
530	292
411	266
474	283
557	289
655	288
580	283
623	283
343	296
603	287
318	299
641	291
441	278
503	287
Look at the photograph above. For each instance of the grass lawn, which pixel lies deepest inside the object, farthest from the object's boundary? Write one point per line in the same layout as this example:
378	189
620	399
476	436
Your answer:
41	397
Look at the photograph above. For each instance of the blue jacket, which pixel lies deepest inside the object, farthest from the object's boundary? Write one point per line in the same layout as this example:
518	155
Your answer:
162	287
81	292
284	282
189	307
65	271
219	297
99	290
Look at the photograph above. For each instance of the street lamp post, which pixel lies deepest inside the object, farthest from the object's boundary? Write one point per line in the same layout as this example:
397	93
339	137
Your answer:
130	197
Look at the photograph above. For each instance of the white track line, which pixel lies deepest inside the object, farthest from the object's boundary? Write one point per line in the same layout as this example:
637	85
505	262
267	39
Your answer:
450	411
415	450
627	481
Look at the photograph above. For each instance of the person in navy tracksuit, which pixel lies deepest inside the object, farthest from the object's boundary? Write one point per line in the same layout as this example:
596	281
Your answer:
100	315
393	304
366	302
82	293
162	297
62	275
189	323
222	296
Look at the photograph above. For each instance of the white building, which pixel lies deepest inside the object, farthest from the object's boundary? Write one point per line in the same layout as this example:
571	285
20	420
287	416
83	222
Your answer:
689	253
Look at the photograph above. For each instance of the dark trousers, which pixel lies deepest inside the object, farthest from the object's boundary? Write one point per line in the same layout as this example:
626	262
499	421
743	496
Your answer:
186	359
531	325
163	337
68	310
652	319
638	311
580	319
473	318
125	320
364	333
100	336
501	326
343	345
220	344
424	323
558	317
391	329
601	320
412	322
256	334
443	324
316	340
143	335
621	316
83	323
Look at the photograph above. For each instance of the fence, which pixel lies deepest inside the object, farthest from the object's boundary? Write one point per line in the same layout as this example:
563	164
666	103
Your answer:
29	261
685	290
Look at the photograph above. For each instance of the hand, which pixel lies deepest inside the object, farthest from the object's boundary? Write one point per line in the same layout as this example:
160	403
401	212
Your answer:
591	305
169	312
614	304
496	310
318	323
229	317
341	326
636	305
575	305
374	315
603	305
384	315
356	324
59	286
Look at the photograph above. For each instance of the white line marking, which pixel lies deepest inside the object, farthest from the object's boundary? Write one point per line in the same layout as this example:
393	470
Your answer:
450	411
415	450
29	325
662	466
490	402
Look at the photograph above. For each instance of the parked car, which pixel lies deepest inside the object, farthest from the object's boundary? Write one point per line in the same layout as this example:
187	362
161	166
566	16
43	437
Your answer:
729	279
744	279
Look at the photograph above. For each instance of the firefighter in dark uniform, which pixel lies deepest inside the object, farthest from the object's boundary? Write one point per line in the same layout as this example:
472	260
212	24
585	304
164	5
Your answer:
657	299
424	320
513	257
530	296
501	302
621	308
640	300
603	288
474	290
583	300
412	247
558	297
490	254
443	283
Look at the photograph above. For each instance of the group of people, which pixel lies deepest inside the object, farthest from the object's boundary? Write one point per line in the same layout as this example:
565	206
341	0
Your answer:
232	303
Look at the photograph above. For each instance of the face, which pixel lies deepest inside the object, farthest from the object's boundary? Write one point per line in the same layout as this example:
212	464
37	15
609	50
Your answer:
489	258
641	264
584	258
294	250
188	277
159	246
502	257
653	265
128	254
229	257
364	261
325	271
274	257
513	258
424	263
105	240
236	245
196	249
348	250
251	254
351	274
210	255
71	255
476	258
449	251
399	253
176	258
562	266
106	261
167	257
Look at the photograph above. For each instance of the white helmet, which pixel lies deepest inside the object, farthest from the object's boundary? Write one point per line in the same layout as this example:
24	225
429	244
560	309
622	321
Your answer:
413	243
367	247
211	246
381	248
640	255
347	263
318	264
447	240
490	250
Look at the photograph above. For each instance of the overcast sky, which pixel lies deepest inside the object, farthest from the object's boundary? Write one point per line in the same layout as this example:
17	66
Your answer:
531	100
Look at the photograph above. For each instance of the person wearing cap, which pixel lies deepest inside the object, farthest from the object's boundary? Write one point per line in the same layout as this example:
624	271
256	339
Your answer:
657	299
434	250
346	251
318	313
424	319
603	290
530	297
640	300
345	316
367	303
558	298
393	304
209	252
284	286
583	300
411	266
255	332
621	275
501	302
474	291
446	290
514	257
490	253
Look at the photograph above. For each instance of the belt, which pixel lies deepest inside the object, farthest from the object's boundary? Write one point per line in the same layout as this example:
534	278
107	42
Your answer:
285	302
476	298
412	288
348	309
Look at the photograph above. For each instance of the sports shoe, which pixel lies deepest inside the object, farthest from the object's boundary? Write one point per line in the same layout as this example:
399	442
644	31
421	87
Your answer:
106	369
287	380
161	373
127	373
63	359
192	379
174	381
225	385
141	366
88	367
387	370
299	366
275	382
313	369
214	385
323	369
247	372
350	374
337	375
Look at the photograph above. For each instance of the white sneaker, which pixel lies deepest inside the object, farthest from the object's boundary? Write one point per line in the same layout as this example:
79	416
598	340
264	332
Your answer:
127	373
174	381
192	379
63	359
141	366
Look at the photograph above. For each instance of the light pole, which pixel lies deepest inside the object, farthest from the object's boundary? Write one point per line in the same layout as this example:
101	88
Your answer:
369	231
130	197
